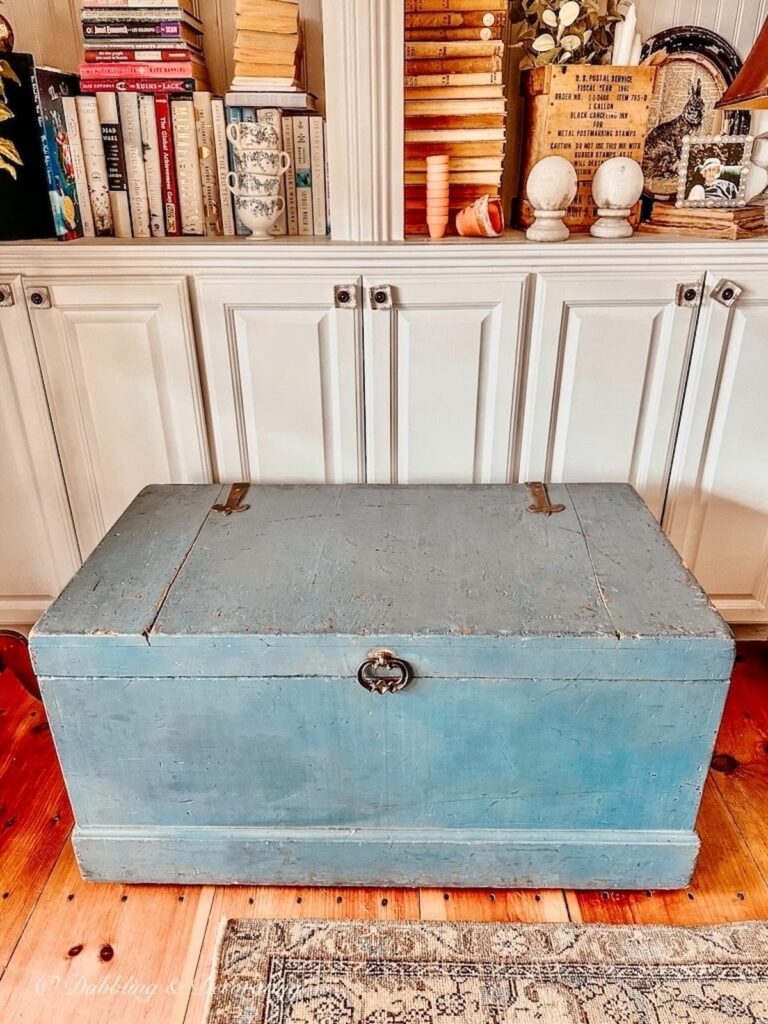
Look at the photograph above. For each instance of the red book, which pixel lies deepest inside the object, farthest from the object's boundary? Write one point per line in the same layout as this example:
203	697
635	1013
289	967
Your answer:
168	165
145	69
150	85
137	56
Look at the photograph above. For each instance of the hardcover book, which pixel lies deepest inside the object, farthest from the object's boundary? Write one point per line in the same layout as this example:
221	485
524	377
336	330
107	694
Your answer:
112	134
38	185
95	164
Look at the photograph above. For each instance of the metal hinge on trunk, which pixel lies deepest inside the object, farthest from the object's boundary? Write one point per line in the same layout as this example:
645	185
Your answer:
234	500
541	502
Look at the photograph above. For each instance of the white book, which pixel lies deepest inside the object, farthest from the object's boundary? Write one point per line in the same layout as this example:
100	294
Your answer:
95	164
273	117
69	105
152	165
317	153
222	165
291	204
209	176
303	168
327	182
115	157
136	175
188	167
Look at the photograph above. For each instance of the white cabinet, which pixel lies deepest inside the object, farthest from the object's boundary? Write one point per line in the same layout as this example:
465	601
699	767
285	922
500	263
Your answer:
607	362
283	369
717	514
442	367
120	371
38	549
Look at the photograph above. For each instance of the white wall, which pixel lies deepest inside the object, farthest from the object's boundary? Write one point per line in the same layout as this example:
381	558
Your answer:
738	20
50	30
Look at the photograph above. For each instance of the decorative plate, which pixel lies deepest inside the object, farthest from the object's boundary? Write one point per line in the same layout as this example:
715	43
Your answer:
695	67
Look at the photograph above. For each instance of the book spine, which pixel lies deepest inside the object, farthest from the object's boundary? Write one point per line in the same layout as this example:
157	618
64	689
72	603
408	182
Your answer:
303	164
147	85
135	174
135	30
222	165
143	69
423	35
152	167
115	157
273	117
95	164
234	116
454	21
249	114
456	65
59	228
134	56
291	201
188	167
206	147
167	165
317	155
430	6
327	181
185	5
451	78
72	123
453	50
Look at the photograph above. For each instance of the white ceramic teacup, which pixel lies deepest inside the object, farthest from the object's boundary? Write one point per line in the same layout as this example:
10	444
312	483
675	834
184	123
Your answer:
259	214
253	184
261	161
253	135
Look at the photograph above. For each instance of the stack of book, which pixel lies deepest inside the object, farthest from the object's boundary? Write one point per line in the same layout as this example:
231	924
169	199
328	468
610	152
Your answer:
304	187
454	100
267	45
143	46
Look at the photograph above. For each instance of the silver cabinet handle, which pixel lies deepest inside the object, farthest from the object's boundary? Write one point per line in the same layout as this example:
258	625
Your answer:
689	295
727	293
6	295
345	296
381	297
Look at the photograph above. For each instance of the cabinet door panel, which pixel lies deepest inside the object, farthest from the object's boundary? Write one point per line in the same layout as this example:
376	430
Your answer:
283	371
718	509
121	373
38	549
441	378
606	373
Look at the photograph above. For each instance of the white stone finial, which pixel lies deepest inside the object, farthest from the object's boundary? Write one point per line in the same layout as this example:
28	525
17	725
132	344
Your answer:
551	188
617	186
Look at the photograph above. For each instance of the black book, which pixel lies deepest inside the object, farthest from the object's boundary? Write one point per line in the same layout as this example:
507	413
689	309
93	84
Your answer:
38	193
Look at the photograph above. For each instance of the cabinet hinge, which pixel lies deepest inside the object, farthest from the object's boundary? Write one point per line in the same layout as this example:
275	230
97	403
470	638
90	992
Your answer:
6	295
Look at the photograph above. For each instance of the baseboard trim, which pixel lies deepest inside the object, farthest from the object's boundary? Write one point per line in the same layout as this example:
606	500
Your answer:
592	859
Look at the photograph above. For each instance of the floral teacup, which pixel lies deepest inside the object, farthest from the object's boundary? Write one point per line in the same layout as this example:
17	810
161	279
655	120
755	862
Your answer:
259	214
261	161
253	135
253	184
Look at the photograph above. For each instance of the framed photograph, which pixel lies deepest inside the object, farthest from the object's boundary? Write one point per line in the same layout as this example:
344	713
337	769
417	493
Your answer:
713	171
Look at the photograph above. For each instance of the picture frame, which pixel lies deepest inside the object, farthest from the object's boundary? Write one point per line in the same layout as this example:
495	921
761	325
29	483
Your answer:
713	171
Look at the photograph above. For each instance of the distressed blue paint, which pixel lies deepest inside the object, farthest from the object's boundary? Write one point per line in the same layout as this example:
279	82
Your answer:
535	859
569	680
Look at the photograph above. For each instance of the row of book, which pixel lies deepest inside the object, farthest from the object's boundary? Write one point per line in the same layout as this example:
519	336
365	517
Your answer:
454	100
140	165
147	46
268	45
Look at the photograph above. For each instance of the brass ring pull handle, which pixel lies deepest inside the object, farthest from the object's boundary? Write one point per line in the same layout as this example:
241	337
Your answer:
384	673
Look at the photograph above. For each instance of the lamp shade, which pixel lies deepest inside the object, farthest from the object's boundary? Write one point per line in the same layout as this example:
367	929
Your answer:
749	90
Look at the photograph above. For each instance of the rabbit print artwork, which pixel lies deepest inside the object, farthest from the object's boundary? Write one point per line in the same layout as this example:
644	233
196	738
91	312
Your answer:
664	145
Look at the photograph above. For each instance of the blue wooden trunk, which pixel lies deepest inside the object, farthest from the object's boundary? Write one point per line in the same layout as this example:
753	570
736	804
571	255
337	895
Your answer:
200	676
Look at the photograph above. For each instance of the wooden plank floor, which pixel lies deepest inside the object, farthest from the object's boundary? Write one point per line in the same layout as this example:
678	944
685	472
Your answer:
72	951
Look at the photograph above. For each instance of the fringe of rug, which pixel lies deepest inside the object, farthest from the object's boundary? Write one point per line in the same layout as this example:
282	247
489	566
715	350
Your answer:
214	971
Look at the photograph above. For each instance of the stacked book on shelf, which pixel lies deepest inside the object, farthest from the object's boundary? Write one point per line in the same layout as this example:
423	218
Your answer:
268	45
454	100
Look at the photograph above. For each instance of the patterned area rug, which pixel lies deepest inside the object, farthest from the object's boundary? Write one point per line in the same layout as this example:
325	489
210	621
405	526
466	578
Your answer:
326	972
